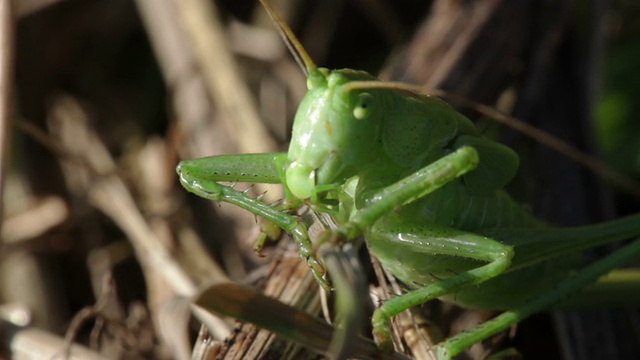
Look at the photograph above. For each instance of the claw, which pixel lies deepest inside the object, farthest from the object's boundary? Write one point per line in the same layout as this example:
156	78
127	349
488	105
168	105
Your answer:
259	244
306	252
381	332
321	281
316	266
382	338
318	271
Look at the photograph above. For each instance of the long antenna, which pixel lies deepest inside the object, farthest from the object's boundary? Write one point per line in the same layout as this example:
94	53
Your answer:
551	141
295	47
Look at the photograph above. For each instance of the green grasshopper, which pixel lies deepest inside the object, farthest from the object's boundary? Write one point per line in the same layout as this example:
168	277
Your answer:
417	179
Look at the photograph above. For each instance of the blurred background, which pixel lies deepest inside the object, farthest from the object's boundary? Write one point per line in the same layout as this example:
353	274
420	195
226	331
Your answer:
105	97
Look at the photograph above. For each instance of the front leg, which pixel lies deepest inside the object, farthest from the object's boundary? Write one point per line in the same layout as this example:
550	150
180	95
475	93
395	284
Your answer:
200	176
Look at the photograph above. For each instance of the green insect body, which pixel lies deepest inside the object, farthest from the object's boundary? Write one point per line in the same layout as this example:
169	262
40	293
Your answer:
373	138
426	190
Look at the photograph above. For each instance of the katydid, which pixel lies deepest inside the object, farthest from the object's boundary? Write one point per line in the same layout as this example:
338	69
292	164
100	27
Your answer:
426	190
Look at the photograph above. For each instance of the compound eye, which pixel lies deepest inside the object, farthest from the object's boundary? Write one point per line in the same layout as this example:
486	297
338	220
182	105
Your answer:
364	106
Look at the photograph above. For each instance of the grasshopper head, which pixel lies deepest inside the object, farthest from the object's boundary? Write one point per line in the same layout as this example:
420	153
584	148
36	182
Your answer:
335	131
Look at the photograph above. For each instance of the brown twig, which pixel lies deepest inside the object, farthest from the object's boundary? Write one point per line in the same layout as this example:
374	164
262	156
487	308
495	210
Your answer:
7	33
